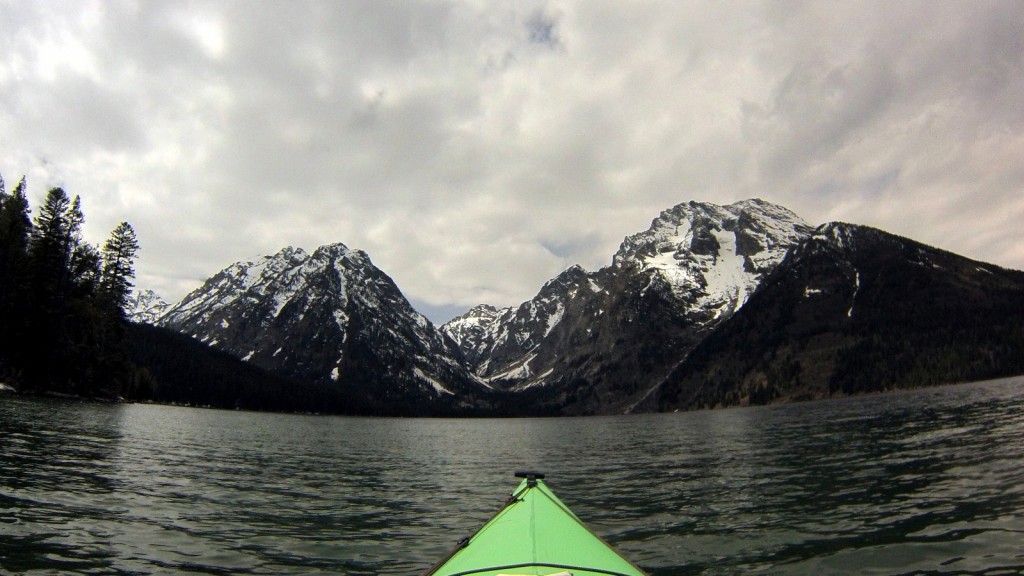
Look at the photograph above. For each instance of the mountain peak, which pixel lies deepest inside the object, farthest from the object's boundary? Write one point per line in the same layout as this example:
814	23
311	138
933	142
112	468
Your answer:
570	276
333	319
693	227
843	238
146	307
713	257
336	249
289	252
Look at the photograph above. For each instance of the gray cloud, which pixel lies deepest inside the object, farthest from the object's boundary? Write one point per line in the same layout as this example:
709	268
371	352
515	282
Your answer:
476	150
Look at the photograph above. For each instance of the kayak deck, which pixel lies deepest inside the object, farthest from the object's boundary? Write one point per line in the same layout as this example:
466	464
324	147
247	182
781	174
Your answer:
534	533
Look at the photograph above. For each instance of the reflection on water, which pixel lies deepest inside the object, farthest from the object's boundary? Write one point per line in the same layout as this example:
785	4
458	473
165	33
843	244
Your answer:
927	482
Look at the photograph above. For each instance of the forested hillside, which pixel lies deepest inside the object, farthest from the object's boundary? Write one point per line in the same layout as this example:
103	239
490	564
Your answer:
184	371
62	323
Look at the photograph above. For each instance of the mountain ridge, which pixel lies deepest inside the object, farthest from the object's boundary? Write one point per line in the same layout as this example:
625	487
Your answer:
600	341
641	334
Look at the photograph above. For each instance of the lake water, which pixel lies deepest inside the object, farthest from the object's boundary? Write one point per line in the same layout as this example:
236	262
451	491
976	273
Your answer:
924	482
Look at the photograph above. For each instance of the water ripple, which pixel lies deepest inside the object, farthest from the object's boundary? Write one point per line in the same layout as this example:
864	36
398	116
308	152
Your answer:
926	482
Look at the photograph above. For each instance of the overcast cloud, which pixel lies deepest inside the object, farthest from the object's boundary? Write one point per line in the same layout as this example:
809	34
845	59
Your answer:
475	149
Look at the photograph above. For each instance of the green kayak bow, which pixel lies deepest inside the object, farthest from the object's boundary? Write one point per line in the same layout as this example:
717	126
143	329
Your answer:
534	533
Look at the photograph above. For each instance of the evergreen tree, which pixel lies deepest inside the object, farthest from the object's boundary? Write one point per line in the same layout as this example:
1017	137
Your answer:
15	228
50	251
85	273
60	269
118	265
116	375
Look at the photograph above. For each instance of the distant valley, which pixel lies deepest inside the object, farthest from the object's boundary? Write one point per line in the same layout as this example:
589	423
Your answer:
711	306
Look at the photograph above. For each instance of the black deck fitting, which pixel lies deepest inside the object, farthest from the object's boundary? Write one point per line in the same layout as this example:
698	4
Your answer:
531	476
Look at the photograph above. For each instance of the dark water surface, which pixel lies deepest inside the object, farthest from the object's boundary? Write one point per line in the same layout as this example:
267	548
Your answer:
926	482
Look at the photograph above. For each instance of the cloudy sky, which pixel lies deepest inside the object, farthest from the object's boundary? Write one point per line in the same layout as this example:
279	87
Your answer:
477	148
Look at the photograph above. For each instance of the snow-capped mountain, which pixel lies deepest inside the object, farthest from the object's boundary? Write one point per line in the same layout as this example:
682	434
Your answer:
712	305
601	341
497	343
146	307
713	257
855	309
473	331
333	318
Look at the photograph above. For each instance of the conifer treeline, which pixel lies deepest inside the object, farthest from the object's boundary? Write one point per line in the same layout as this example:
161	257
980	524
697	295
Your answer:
62	300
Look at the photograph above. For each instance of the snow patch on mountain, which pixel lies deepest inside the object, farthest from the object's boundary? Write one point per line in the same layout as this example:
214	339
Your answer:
438	387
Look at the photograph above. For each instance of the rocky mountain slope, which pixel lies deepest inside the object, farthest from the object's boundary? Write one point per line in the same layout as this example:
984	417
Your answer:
146	307
331	318
854	309
601	342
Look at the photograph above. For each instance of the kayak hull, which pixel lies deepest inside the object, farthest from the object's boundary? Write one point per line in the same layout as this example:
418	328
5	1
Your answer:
533	534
